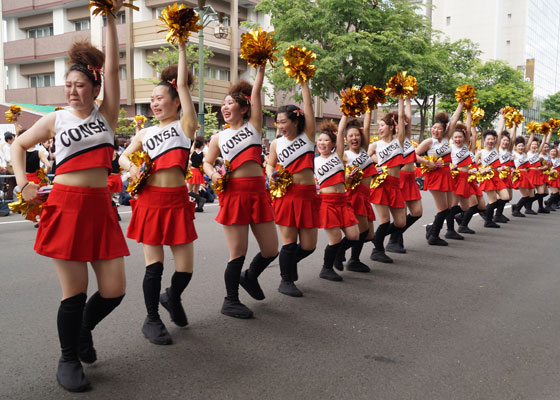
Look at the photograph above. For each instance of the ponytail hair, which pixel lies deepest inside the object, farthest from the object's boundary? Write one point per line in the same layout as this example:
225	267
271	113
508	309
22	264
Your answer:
295	114
240	92
329	128
443	119
87	59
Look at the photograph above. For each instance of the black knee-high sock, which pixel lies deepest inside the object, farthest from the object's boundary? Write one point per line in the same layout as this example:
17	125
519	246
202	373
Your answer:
500	207
69	322
396	235
98	308
468	215
179	281
529	203
438	222
259	264
555	198
152	287
490	211
410	220
287	260
231	277
522	201
358	245
345	244
330	254
450	218
540	200
379	236
301	253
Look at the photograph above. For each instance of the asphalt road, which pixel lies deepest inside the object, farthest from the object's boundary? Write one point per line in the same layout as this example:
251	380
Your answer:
475	320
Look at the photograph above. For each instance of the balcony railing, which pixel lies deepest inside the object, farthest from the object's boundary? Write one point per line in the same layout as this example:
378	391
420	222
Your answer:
16	6
39	48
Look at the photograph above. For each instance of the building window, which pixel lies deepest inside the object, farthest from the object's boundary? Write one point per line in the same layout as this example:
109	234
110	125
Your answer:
220	74
448	21
122	72
121	19
41	80
82	25
40	32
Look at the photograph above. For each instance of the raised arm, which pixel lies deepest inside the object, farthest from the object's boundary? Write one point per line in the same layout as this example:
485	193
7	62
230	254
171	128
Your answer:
408	116
401	129
111	88
340	137
189	121
454	119
308	111
366	131
512	138
256	104
528	145
501	127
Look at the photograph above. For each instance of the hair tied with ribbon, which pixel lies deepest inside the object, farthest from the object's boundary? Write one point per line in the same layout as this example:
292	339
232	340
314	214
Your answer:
173	83
248	98
298	112
95	71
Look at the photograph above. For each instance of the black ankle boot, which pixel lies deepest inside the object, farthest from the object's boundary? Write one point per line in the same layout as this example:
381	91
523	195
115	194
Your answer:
355	265
328	272
287	261
378	253
232	307
170	299
340	257
153	328
249	279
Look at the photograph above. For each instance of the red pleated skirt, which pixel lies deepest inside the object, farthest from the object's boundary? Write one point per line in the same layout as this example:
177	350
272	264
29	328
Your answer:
461	185
491	184
79	224
536	176
409	187
197	177
555	183
524	181
32	177
162	216
298	208
359	201
506	183
114	183
245	201
439	179
388	193
335	211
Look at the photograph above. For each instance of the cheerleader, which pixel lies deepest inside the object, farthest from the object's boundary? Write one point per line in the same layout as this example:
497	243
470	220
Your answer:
506	165
489	160
535	173
78	224
522	181
554	180
245	202
438	179
335	212
163	213
297	212
357	156
197	179
387	196
114	182
409	187
546	165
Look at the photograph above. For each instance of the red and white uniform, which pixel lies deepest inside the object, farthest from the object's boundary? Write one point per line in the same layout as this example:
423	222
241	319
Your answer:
461	157
408	185
536	176
555	166
241	145
197	158
164	215
389	192
79	223
329	170
490	159
522	164
506	160
359	196
300	206
439	178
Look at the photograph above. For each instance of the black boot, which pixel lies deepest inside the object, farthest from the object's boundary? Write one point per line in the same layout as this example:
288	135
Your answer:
499	216
170	299
249	279
378	253
301	253
232	307
200	201
153	329
464	227
328	260
516	208
435	229
116	210
70	374
450	220
529	206
355	265
95	310
345	244
287	260
490	216
540	200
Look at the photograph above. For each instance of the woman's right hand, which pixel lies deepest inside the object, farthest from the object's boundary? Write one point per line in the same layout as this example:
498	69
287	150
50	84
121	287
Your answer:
133	172
431	165
29	193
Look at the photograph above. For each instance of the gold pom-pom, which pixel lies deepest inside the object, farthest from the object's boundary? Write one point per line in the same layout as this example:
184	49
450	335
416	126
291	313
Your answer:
13	113
477	114
378	179
140	120
454	173
472	175
374	96
144	164
553	175
355	175
437	160
504	173
354	102
414	143
27	210
466	93
188	175
297	63
484	173
222	181
512	116
545	128
402	85
105	7
516	174
258	47
180	22
282	178
533	127
554	124
373	139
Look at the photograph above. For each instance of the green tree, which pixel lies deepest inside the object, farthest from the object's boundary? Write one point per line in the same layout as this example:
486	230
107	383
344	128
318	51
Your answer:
210	120
125	126
497	85
551	106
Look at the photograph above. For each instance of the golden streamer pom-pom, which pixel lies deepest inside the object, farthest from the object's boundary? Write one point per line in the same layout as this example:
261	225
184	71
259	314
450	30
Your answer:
477	114
297	63
512	116
533	127
454	173
484	174
144	164
402	85
222	181
472	176
180	22
282	178
13	113
545	128
374	96
516	174
140	120
378	179
437	160
553	175
466	94
354	102
504	173
106	7
554	124
31	211
354	176
373	139
188	175
258	48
